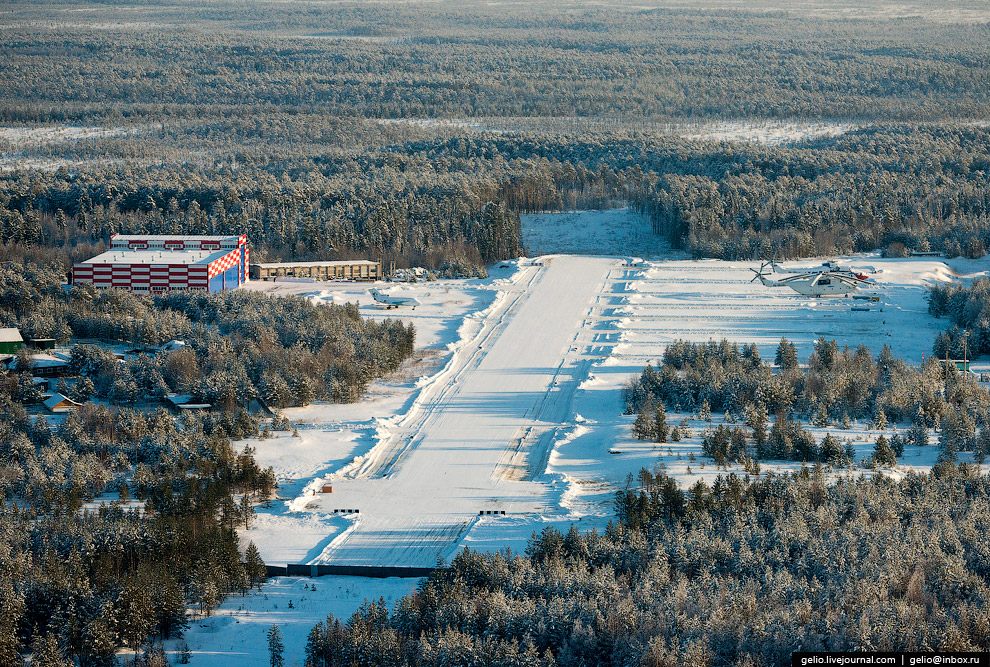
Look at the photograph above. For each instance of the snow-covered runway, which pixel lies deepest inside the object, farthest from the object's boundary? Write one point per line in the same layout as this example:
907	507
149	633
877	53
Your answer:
480	433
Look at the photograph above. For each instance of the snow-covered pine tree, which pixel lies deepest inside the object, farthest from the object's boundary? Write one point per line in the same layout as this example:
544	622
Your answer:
642	428
883	453
255	566
786	356
705	411
660	428
275	647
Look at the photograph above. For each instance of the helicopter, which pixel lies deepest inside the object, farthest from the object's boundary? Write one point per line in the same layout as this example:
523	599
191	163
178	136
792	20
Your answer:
829	280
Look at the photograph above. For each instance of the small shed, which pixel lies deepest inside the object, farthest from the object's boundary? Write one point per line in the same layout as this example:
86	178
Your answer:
59	403
10	340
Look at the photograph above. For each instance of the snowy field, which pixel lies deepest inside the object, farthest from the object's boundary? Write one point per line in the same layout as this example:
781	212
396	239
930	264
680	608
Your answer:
771	131
234	636
24	137
15	140
774	133
514	404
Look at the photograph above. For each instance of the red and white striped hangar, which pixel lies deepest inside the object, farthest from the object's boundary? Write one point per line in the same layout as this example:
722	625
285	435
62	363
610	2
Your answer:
159	263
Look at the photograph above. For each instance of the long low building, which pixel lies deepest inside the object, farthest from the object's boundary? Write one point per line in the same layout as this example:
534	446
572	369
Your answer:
159	263
358	269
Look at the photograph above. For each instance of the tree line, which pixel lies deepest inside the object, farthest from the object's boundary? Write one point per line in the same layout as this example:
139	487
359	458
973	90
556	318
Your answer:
434	201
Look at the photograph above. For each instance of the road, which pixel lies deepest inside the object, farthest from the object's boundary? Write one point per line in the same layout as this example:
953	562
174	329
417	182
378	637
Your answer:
478	436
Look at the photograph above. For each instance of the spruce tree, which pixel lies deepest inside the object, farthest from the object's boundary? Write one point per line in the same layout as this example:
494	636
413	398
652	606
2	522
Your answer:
254	565
880	419
786	356
246	510
643	427
705	411
275	647
757	419
660	429
982	448
883	453
46	652
831	450
820	418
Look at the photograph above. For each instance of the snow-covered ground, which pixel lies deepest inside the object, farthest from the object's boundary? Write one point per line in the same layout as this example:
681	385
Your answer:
332	436
23	137
768	132
711	300
235	635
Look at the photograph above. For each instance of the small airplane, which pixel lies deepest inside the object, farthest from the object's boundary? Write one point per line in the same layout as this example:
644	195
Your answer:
388	301
817	282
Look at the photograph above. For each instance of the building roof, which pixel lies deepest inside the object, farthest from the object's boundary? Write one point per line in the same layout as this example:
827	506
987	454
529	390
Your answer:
174	237
352	262
58	400
155	256
40	361
10	335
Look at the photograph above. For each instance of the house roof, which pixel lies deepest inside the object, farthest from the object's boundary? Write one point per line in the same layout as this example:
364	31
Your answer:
10	335
48	360
57	400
